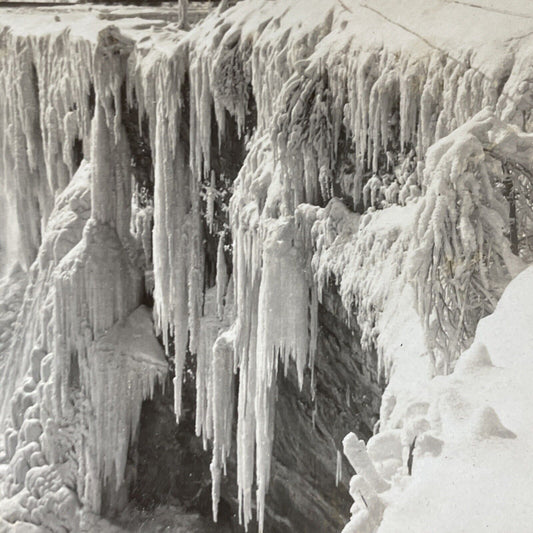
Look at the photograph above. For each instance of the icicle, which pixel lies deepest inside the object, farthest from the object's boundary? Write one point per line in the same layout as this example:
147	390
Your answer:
177	234
246	435
282	321
222	276
282	328
222	405
338	469
210	327
210	200
196	272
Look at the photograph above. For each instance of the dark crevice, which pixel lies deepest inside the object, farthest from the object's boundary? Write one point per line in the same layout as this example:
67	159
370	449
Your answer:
91	100
77	153
227	157
411	456
37	135
172	466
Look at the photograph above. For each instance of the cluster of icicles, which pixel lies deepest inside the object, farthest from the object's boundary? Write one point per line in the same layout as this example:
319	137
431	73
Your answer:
84	355
267	311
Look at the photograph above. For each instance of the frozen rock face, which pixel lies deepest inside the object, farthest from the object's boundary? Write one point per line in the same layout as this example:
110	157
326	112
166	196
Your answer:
304	212
63	448
173	468
305	491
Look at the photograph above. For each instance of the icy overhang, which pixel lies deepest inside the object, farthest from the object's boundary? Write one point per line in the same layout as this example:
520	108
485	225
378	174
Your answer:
417	25
134	338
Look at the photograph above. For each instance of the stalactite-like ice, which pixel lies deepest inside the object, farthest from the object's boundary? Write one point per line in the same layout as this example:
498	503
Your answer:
44	109
97	287
282	333
222	400
82	344
385	104
123	366
178	267
317	116
274	315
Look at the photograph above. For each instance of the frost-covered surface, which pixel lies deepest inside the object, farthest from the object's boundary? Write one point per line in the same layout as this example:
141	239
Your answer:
415	130
471	435
12	286
62	443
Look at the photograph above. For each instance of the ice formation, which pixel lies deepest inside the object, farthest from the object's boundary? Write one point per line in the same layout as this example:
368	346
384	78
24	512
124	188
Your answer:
450	432
81	341
375	161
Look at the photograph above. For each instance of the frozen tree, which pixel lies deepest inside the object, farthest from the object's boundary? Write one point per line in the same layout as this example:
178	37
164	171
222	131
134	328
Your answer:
461	252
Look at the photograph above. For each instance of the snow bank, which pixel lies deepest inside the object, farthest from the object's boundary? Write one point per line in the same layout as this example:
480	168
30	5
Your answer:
470	430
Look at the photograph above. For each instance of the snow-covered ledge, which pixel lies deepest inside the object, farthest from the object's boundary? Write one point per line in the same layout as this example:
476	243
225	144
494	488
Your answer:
468	434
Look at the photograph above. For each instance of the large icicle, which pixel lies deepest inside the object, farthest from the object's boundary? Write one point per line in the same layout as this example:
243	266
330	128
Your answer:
178	269
282	332
275	317
222	401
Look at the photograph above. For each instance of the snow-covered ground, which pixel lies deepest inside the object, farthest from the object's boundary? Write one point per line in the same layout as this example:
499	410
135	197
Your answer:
471	466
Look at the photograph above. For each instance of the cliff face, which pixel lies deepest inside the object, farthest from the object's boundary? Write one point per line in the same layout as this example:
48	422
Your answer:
309	482
273	215
173	468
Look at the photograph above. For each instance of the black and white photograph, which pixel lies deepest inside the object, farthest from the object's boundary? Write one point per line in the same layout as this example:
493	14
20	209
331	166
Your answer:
266	266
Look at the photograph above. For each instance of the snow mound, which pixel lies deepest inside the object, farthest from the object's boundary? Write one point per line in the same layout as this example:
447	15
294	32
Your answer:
474	436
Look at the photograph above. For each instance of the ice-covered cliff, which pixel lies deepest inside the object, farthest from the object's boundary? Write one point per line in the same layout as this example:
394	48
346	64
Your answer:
311	200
